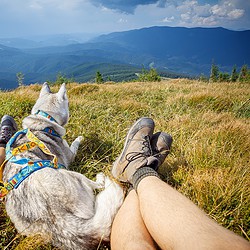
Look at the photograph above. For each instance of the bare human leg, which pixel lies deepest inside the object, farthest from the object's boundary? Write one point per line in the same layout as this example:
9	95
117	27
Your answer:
171	219
2	155
128	229
176	223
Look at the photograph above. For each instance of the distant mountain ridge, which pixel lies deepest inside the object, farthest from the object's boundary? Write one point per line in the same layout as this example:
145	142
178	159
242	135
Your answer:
46	40
169	49
198	46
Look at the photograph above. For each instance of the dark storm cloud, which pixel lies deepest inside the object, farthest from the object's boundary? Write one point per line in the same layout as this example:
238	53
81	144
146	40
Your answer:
127	6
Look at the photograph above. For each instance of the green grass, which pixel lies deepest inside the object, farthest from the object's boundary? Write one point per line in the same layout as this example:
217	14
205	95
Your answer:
209	122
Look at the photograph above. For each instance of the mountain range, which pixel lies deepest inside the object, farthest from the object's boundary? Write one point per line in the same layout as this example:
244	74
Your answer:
173	51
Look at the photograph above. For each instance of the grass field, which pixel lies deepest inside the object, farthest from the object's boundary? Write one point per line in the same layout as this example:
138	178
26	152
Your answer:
209	122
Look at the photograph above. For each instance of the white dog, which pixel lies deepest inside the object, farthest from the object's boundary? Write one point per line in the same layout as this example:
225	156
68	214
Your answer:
46	198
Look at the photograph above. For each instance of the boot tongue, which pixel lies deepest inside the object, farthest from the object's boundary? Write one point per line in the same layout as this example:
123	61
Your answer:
146	146
152	162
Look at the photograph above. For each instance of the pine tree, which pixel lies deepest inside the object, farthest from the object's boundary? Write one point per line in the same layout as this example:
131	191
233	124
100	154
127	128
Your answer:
234	74
98	77
214	73
223	77
61	78
153	76
243	76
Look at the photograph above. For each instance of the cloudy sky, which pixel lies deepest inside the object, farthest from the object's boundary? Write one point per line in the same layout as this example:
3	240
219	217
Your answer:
40	17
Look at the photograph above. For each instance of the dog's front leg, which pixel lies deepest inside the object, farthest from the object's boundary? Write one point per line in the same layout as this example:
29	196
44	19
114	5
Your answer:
75	145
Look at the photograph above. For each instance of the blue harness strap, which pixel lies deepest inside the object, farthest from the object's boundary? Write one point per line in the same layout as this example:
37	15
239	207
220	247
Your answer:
12	140
30	166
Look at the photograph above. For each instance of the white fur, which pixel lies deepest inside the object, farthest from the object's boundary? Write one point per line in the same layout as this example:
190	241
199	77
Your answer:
60	204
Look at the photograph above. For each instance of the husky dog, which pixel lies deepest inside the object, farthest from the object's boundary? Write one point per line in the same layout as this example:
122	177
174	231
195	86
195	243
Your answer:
59	203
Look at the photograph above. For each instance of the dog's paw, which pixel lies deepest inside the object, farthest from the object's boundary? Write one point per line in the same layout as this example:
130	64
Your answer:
100	180
75	144
79	138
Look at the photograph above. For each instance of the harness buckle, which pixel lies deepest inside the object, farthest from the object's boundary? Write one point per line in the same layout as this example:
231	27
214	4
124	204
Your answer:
8	186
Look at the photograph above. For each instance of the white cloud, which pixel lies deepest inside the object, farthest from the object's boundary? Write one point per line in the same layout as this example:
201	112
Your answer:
105	9
224	13
187	6
192	13
168	19
35	5
185	16
19	17
227	10
235	14
203	10
218	10
122	20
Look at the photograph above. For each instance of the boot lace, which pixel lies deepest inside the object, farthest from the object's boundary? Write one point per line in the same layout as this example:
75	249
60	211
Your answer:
145	151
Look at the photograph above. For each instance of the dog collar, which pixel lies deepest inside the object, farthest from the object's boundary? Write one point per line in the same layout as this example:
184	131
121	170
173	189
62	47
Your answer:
48	130
46	115
51	131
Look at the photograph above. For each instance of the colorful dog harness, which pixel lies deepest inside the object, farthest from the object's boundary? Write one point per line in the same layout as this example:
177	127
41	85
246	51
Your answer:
30	166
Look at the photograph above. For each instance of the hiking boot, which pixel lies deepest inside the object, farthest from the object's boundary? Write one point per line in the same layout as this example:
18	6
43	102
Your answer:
137	150
8	127
161	143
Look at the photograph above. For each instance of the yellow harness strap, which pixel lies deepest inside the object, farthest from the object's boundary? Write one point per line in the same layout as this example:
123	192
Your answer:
1	170
34	142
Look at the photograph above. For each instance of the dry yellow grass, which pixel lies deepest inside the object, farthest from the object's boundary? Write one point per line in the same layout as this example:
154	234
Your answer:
210	125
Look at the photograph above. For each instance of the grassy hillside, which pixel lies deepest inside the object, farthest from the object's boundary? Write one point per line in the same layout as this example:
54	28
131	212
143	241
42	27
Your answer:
210	125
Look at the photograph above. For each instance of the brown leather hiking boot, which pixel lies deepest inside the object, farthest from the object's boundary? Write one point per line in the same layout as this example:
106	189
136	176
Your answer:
161	143
137	151
8	127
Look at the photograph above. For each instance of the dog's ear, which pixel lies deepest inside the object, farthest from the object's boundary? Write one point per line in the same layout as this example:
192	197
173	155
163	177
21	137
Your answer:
45	89
61	94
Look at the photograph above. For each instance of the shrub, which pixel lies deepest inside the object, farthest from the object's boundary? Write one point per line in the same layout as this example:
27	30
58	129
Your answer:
149	76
